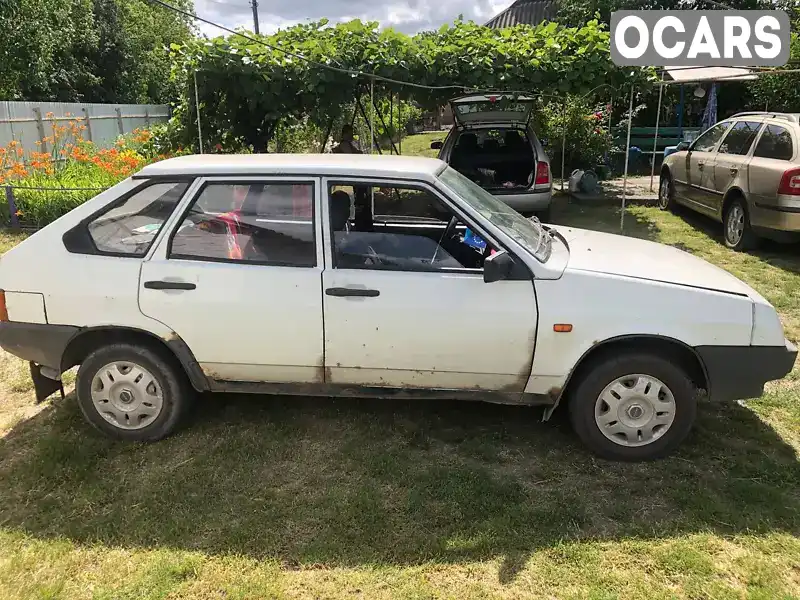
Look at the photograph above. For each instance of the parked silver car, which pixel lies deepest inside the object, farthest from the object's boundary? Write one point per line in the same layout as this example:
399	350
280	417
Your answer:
745	172
493	143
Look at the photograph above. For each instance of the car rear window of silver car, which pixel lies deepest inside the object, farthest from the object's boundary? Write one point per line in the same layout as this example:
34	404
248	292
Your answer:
775	142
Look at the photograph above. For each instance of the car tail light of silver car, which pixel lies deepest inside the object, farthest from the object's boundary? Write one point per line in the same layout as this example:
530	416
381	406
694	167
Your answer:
542	173
790	183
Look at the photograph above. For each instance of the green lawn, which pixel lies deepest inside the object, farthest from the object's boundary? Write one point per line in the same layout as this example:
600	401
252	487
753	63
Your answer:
278	497
420	144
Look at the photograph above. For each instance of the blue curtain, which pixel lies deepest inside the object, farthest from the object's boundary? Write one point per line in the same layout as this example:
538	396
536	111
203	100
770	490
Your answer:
710	113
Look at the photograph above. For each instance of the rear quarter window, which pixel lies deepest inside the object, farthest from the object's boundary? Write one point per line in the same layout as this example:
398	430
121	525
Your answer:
775	142
128	226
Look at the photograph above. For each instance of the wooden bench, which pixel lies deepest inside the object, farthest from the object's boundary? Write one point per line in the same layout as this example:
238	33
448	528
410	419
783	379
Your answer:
642	137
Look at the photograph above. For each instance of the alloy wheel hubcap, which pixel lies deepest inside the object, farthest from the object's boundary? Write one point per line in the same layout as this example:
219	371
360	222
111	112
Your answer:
127	395
635	410
663	196
735	225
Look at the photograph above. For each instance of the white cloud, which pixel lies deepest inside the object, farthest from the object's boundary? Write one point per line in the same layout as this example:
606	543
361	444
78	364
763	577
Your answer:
409	17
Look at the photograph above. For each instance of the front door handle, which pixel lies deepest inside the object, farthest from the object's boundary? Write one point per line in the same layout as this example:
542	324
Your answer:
700	165
356	292
169	285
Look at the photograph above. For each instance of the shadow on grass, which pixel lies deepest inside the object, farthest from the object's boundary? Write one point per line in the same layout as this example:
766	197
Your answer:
604	217
785	256
347	482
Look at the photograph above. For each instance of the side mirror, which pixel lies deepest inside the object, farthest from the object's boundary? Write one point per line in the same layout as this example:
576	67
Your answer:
682	146
437	145
497	267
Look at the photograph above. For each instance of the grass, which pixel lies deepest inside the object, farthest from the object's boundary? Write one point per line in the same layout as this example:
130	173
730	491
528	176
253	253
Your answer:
273	497
420	144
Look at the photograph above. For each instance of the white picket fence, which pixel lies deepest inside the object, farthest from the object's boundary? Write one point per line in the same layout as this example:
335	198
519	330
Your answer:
31	122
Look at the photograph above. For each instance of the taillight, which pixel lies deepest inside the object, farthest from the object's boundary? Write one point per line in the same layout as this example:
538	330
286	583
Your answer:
790	183
542	173
3	309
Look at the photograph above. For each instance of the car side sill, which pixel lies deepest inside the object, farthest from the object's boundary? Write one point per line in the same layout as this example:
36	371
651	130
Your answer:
355	391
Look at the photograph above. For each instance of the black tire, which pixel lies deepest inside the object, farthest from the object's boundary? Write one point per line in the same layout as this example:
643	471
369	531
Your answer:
748	239
545	215
593	382
177	393
666	197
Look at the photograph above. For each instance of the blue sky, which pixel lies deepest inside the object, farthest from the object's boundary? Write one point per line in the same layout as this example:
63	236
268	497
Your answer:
409	17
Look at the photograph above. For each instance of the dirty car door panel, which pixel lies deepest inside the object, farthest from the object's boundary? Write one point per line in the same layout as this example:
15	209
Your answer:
427	322
239	281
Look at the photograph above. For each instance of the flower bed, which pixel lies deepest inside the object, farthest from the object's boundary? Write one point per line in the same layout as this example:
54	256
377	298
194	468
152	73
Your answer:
67	170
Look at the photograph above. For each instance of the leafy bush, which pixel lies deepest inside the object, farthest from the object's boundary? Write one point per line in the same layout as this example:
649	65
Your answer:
588	139
247	90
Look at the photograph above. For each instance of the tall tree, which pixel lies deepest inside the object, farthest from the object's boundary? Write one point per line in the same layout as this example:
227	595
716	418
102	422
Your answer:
88	50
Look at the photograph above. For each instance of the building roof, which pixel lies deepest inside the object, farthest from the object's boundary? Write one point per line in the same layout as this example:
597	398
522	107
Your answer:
525	12
295	164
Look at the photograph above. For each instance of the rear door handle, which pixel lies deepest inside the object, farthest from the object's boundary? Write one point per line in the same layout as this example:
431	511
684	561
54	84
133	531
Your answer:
734	170
169	285
356	292
700	165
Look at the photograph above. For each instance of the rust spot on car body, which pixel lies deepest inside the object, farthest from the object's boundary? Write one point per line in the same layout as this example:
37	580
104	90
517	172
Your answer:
210	373
555	392
320	372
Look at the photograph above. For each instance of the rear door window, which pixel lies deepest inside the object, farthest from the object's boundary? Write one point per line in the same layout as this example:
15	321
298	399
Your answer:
266	223
775	142
740	138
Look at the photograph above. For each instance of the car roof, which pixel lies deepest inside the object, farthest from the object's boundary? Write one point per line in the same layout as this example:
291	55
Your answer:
349	165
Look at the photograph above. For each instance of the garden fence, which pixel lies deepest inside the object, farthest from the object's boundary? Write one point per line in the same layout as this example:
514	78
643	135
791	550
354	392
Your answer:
32	122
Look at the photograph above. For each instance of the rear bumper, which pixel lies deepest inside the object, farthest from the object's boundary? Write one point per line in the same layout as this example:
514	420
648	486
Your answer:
776	216
42	346
528	201
739	372
38	343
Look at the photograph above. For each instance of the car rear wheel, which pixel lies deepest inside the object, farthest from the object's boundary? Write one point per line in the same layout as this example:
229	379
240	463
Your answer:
633	407
739	234
666	193
132	392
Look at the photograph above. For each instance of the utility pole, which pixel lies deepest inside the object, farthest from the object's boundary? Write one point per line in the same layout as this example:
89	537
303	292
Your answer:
254	4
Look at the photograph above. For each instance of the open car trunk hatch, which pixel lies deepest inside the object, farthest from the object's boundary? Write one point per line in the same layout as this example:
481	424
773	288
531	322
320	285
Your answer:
500	159
492	108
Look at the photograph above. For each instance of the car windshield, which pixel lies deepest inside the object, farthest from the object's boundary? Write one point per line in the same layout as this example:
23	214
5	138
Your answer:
526	232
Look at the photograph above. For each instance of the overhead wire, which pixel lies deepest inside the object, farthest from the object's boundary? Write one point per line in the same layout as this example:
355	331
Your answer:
300	57
375	77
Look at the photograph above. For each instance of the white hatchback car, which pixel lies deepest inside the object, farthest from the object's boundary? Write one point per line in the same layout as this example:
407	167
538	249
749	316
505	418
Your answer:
343	275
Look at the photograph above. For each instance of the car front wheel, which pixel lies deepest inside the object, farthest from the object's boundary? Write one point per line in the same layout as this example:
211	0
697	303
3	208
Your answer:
132	392
666	193
633	407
